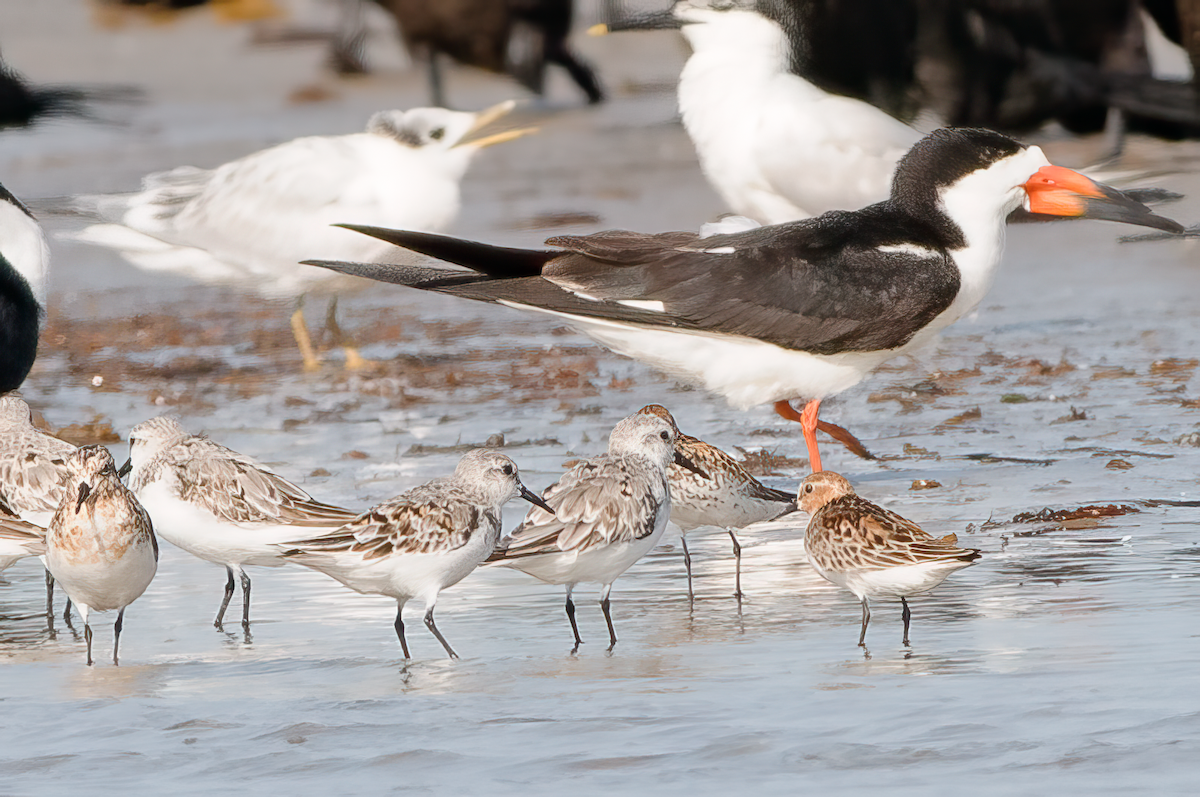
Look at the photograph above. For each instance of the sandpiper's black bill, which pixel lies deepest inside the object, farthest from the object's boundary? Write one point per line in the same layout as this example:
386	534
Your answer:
654	20
684	462
84	492
125	469
534	499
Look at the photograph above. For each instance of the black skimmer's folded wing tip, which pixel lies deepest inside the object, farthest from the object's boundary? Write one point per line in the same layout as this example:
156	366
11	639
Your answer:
499	262
409	276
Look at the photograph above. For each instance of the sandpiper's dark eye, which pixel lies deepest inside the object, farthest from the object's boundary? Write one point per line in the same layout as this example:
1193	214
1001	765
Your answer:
437	133
664	435
808	488
508	470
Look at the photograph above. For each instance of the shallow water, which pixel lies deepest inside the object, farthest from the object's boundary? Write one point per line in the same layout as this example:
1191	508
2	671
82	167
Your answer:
1063	661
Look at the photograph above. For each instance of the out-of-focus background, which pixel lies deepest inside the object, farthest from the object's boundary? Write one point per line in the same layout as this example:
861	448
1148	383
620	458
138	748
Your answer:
1062	660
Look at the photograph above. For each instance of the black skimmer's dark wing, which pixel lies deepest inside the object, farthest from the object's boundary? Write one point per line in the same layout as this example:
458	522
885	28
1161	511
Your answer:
819	285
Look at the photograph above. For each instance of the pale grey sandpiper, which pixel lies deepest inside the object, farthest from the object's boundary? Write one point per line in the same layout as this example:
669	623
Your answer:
100	545
33	474
870	551
424	540
608	512
219	505
726	495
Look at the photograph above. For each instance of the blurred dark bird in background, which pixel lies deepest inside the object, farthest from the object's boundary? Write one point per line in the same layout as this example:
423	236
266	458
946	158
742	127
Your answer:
22	103
514	37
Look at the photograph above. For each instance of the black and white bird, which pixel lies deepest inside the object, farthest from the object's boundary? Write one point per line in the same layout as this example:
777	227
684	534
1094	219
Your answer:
774	145
24	262
798	311
604	514
422	541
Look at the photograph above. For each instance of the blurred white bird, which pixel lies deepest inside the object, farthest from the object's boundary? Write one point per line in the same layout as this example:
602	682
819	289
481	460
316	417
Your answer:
773	145
254	219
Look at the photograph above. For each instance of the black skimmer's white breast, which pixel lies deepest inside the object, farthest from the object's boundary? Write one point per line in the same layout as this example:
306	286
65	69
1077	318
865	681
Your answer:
793	311
24	261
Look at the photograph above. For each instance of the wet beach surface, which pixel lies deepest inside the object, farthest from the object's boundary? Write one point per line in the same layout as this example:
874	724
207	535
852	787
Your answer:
1063	661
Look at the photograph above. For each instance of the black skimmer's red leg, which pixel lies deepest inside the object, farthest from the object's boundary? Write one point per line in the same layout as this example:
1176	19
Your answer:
807	418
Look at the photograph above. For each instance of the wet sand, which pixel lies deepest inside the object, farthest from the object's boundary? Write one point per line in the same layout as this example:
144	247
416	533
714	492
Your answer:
1062	661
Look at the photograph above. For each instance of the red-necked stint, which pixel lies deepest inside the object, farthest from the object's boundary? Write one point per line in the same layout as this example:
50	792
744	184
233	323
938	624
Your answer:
100	545
798	311
725	495
424	540
219	505
870	551
250	221
608	512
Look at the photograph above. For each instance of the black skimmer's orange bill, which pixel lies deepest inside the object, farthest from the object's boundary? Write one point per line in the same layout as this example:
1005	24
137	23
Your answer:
23	258
802	310
870	551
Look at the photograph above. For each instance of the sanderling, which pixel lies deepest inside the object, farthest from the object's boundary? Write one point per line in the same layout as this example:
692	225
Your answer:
218	505
725	495
870	551
100	545
19	539
608	512
33	474
250	221
424	540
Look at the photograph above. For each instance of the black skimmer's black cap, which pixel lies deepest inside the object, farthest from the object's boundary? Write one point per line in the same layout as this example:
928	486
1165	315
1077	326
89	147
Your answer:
947	155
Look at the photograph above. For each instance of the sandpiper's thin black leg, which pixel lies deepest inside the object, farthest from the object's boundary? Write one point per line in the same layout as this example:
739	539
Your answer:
228	594
433	627
862	638
687	563
50	598
737	558
907	615
67	616
87	635
117	635
574	626
245	601
604	607
400	632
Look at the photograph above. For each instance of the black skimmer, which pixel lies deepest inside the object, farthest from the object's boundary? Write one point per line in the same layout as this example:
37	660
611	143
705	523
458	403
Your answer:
797	311
251	220
23	265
